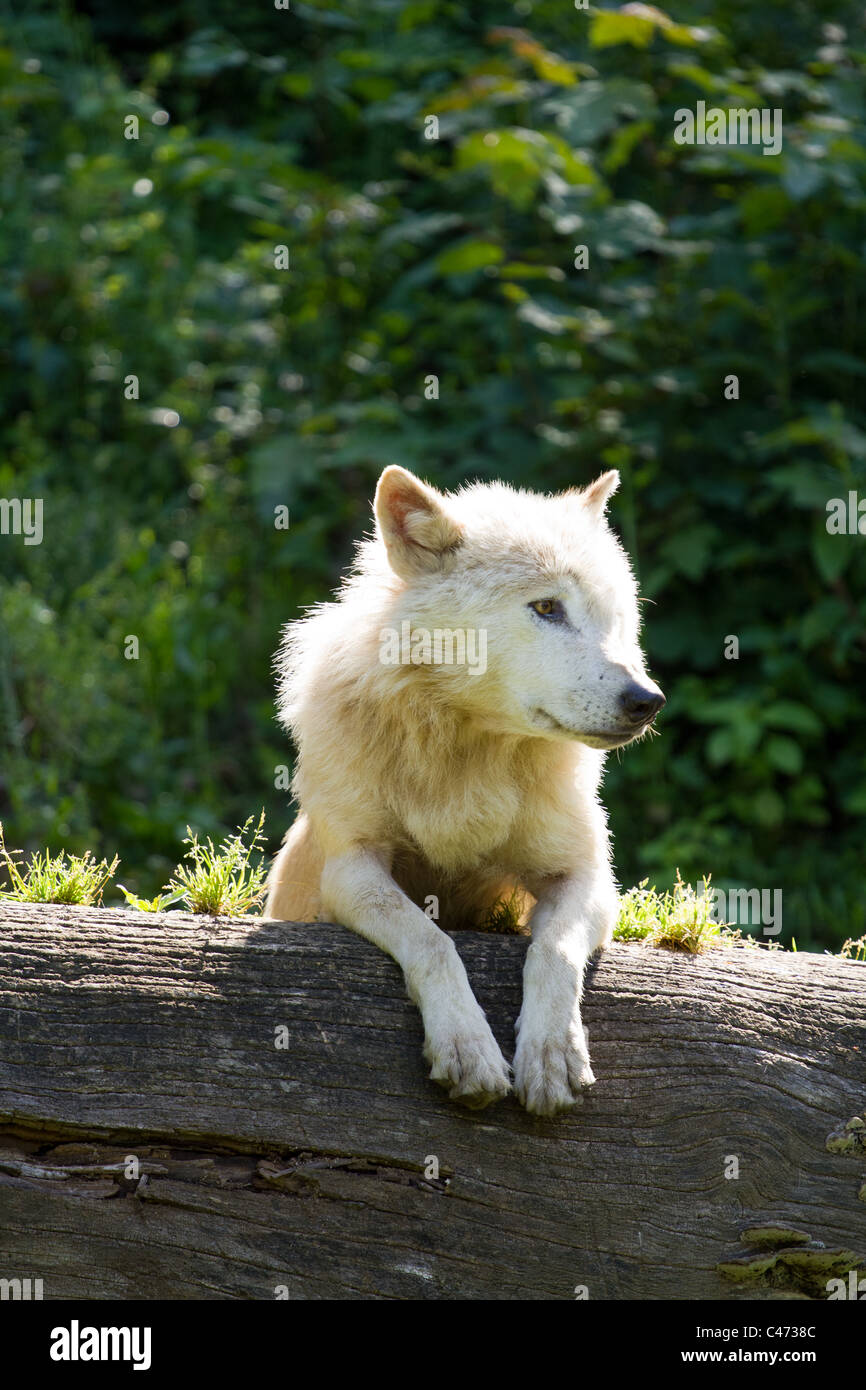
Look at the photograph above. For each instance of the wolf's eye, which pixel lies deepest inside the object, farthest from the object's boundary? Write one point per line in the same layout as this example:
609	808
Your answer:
548	608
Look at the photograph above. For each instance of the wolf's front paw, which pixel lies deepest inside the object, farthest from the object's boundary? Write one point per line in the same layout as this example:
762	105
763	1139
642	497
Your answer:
468	1063
549	1073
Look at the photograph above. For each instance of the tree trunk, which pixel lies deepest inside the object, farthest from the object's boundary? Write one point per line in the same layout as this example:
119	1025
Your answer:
158	1141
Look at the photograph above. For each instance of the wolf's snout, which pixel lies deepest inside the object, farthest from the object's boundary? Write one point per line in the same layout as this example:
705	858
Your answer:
639	705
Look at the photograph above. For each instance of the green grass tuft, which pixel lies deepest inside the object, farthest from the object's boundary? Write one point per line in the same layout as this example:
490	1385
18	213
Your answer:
57	878
679	920
503	918
223	882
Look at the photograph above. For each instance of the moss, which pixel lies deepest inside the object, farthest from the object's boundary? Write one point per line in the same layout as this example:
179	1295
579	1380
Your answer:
850	1140
798	1270
771	1237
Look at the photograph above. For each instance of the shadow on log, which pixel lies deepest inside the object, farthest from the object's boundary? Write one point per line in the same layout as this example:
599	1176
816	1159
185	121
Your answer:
157	1142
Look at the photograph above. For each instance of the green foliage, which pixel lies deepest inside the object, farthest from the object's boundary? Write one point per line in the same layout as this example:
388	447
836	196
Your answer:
161	903
682	919
224	881
57	878
679	920
155	258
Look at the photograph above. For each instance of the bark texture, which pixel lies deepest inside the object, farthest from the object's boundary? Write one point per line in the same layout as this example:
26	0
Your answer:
267	1082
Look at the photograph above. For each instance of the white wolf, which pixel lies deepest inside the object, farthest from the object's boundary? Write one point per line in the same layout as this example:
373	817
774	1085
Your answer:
433	780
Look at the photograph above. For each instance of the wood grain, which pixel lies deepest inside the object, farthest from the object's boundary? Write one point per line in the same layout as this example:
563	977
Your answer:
303	1169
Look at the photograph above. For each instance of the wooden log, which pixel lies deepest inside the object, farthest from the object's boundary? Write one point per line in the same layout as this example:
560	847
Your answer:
722	1153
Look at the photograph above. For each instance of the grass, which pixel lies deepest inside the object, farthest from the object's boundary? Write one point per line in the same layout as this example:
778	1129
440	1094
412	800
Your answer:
503	918
678	920
224	881
221	881
60	878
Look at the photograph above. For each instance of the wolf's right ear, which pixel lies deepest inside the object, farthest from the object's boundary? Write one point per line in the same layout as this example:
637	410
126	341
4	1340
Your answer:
595	497
414	523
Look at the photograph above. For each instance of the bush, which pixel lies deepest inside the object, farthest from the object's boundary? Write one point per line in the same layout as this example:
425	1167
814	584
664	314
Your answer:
410	258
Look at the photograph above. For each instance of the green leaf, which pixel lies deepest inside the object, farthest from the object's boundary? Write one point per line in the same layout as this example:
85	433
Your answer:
551	68
829	360
469	255
832	554
516	159
790	714
768	808
636	24
623	142
609	27
735	743
627	227
801	177
720	747
691	550
784	754
417	229
803	483
595	107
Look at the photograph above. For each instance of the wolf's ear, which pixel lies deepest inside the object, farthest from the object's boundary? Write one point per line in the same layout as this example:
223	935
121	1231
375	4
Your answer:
413	523
595	497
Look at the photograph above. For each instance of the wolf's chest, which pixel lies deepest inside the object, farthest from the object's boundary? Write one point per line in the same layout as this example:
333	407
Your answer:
462	830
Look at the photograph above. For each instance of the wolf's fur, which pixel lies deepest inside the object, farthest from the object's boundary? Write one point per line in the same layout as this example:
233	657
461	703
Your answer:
425	780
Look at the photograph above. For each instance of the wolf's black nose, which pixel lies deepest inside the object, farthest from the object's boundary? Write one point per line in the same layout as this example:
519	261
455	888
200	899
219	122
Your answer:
639	704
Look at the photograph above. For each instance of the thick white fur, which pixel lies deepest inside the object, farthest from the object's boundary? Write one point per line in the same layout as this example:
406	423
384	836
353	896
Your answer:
420	781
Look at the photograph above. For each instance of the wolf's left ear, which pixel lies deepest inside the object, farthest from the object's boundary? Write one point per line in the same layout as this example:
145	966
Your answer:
414	523
595	497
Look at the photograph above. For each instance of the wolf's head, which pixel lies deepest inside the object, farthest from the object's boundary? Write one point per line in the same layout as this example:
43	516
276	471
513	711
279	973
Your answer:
540	585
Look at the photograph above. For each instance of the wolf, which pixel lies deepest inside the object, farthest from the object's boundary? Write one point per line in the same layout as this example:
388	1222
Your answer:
458	783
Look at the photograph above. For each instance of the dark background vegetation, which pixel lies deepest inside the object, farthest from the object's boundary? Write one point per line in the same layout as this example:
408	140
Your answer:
411	257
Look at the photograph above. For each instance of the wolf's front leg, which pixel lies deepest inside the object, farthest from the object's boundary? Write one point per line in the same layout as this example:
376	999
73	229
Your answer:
573	918
462	1051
